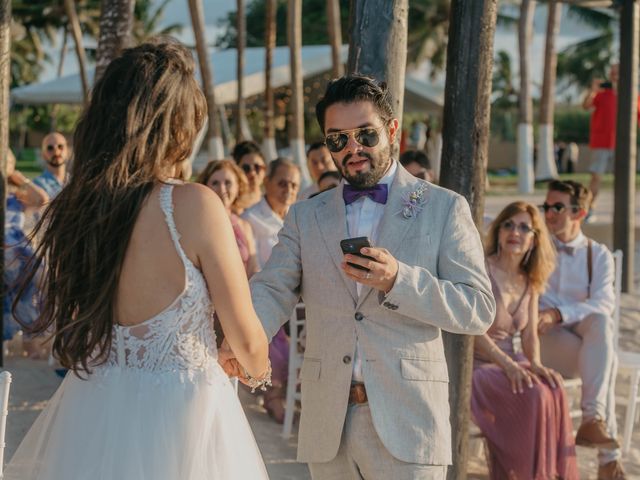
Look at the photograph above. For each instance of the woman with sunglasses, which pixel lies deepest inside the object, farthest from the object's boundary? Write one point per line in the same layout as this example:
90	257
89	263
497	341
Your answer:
250	159
517	402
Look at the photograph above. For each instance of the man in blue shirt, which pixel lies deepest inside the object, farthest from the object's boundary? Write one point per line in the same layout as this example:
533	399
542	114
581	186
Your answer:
55	153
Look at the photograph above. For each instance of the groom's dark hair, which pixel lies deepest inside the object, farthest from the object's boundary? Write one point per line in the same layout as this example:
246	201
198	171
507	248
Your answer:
356	88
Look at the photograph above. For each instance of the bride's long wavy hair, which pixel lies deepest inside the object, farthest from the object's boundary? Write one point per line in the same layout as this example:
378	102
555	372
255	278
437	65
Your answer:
141	122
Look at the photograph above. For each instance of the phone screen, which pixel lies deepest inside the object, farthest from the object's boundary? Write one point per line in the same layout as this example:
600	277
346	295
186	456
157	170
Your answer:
353	246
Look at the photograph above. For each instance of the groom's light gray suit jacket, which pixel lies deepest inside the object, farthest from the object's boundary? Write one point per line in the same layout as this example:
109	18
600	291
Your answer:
441	285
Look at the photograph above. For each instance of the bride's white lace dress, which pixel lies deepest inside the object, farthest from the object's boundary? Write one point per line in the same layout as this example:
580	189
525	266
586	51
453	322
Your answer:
160	408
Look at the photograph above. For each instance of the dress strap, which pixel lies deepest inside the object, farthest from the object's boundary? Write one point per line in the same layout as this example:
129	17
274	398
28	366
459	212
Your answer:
166	203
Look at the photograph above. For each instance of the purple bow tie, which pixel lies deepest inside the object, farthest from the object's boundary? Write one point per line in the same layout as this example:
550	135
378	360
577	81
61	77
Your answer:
377	193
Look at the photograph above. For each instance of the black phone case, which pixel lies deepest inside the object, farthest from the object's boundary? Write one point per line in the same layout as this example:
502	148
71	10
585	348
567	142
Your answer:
353	246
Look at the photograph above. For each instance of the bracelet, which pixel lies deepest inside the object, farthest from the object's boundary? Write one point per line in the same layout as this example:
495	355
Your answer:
261	382
25	183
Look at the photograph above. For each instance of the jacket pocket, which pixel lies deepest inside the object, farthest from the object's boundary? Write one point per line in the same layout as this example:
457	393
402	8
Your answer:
424	369
310	369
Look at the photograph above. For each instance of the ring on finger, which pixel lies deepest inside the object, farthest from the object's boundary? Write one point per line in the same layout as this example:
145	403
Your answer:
368	275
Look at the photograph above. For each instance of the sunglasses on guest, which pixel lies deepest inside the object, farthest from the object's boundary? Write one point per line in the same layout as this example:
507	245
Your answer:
365	136
51	148
557	207
523	228
256	167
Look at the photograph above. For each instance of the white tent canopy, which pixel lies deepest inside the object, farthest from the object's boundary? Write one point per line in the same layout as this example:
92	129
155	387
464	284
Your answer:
316	59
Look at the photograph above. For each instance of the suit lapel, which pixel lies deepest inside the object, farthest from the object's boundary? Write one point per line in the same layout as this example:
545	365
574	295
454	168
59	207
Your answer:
332	221
394	226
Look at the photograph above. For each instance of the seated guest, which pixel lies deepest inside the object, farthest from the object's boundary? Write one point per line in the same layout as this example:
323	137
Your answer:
518	403
267	218
318	161
417	164
250	159
328	180
576	320
23	194
226	179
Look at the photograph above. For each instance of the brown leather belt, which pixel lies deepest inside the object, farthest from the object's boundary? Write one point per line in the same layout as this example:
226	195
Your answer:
358	394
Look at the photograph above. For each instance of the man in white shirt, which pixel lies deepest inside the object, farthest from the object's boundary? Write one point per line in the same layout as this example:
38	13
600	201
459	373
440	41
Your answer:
318	161
374	377
281	186
576	323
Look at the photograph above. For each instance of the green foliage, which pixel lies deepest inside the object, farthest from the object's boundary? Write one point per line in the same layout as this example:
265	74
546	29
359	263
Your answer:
146	21
314	23
39	118
572	125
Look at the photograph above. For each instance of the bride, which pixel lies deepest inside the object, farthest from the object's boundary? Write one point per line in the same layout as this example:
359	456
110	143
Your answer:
134	259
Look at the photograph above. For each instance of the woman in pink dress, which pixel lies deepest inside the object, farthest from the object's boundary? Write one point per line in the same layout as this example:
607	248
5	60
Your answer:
518	403
226	179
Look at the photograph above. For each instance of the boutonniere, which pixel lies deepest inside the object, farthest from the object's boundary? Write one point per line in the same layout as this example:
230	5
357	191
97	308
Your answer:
413	202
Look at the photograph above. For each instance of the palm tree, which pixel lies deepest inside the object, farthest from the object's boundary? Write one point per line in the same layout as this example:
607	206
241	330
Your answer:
74	23
546	165
296	125
269	141
241	28
335	36
215	145
378	44
5	80
116	22
525	120
146	21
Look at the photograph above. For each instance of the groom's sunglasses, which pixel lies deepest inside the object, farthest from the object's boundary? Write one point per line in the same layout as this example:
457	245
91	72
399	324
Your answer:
365	136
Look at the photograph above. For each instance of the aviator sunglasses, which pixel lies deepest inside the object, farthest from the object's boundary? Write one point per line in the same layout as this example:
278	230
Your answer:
365	136
523	228
246	168
557	207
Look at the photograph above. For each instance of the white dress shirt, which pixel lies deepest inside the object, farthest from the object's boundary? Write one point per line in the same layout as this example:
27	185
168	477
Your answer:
568	287
363	220
266	225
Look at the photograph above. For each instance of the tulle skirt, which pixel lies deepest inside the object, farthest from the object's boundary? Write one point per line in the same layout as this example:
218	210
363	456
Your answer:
126	424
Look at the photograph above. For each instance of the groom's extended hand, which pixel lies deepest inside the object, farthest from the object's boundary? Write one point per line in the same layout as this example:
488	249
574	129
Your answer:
229	362
383	268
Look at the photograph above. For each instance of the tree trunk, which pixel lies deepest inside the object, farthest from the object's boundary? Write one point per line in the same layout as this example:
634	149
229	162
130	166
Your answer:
5	81
241	30
464	162
525	117
63	54
335	36
214	143
269	142
74	23
378	44
546	166
625	161
116	22
296	123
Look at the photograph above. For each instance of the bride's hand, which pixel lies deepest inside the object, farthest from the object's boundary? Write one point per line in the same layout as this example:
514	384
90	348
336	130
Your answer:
229	362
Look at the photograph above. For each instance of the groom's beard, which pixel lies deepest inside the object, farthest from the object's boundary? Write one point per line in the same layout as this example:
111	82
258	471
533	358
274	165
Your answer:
379	164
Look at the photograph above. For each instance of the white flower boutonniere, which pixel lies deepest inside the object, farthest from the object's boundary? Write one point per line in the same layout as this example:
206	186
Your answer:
413	202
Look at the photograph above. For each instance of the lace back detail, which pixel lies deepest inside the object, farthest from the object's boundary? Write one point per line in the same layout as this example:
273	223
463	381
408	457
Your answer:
180	339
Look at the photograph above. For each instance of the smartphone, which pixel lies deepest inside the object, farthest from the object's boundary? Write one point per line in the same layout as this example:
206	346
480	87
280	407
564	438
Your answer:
353	246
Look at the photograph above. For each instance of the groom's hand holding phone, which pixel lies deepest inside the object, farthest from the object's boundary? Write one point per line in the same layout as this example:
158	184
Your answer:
370	266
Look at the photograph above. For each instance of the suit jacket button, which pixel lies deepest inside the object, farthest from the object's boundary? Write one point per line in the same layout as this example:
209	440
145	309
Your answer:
359	316
394	307
346	359
386	304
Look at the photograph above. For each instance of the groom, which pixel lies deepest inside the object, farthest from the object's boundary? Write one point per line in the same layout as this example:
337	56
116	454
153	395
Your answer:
374	378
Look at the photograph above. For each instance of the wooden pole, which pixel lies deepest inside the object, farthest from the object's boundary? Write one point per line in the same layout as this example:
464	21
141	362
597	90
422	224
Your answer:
74	23
269	142
335	37
625	161
5	80
241	30
215	147
464	162
296	121
116	23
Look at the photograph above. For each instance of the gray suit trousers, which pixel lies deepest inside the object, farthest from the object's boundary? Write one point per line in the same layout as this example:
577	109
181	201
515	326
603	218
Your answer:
362	456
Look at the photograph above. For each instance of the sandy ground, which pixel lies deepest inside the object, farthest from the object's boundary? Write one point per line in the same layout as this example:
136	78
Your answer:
34	382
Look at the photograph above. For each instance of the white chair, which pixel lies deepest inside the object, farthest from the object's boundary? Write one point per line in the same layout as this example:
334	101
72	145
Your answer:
5	384
296	355
628	362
